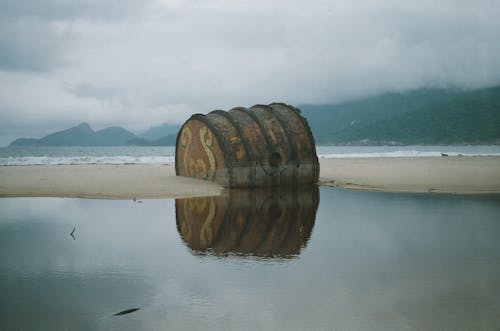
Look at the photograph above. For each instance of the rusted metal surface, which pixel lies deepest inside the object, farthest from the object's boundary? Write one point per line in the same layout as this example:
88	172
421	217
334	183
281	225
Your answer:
251	222
265	145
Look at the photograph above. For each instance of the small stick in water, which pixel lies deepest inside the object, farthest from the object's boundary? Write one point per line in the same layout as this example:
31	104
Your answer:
127	311
72	234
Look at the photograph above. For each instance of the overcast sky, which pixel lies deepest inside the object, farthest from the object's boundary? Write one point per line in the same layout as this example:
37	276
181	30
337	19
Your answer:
138	63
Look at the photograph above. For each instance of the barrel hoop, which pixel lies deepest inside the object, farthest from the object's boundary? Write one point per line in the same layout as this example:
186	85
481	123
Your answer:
258	155
220	139
307	128
237	126
291	140
238	129
276	171
244	111
177	141
306	125
262	128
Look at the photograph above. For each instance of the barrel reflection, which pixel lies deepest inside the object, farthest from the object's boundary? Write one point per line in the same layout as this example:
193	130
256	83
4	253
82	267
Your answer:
271	224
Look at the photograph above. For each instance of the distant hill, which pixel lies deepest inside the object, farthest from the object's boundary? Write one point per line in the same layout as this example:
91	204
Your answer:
161	131
168	140
115	136
81	135
427	116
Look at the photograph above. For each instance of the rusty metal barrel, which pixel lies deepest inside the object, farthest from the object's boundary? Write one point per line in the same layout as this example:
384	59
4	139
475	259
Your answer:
260	146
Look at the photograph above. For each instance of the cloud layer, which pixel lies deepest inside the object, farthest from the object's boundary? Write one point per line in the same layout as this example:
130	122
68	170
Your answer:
139	63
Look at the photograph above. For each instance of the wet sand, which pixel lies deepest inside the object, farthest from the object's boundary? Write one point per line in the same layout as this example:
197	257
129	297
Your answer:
460	175
101	181
457	174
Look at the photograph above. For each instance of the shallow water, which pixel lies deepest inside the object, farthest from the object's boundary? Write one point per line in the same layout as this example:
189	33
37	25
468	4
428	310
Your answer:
361	261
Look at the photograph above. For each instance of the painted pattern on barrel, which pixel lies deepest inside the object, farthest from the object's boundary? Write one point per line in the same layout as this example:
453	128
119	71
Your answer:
262	146
196	145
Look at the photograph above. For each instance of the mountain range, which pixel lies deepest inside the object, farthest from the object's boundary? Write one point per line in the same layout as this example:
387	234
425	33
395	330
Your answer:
424	116
84	135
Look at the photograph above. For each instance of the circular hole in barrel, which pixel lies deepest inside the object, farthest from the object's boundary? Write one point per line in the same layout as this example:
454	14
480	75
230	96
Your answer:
274	212
274	159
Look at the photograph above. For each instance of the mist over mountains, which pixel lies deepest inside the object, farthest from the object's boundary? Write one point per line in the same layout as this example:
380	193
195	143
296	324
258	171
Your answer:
420	117
424	116
84	135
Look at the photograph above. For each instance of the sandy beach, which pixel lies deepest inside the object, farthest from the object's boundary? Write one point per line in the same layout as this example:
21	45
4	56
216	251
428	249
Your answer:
459	175
453	174
124	181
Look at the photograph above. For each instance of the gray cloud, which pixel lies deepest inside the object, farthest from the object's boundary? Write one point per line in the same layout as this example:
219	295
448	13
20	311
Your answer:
139	64
67	10
31	45
34	35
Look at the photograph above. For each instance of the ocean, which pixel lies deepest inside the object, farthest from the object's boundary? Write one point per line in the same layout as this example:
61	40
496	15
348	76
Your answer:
10	156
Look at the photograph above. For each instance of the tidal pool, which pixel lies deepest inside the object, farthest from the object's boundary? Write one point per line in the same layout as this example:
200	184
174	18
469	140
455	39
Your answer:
304	260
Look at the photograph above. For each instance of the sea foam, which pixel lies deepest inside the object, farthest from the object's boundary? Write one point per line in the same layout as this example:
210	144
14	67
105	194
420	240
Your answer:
138	155
46	160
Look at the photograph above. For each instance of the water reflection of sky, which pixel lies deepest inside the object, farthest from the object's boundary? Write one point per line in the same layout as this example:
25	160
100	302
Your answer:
371	261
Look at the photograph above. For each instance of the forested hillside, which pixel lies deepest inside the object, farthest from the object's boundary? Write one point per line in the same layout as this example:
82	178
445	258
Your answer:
416	117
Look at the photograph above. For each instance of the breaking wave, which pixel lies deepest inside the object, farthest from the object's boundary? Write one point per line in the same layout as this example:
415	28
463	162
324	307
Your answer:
165	155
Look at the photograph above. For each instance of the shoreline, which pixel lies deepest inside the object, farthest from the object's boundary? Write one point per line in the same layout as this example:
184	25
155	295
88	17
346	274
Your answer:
447	175
451	175
102	181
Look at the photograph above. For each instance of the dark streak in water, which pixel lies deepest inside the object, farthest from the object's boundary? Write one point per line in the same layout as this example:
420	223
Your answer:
127	311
